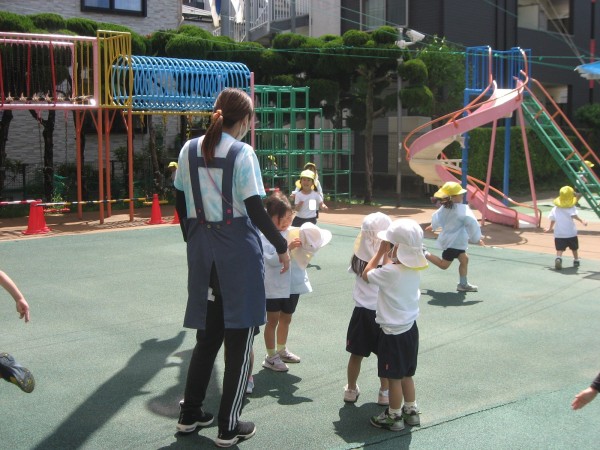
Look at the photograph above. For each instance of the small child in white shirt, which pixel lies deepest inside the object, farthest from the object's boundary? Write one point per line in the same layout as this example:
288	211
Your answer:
397	311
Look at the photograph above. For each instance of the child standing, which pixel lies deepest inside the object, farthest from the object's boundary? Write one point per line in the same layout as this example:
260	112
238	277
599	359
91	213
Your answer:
397	311
459	227
313	168
281	303
363	332
11	370
562	218
307	200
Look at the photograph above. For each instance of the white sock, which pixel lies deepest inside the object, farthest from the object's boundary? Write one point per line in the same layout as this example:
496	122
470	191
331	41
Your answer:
397	412
409	404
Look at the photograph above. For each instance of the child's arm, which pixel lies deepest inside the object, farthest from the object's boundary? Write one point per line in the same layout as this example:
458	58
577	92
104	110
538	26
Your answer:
373	263
9	285
550	227
579	219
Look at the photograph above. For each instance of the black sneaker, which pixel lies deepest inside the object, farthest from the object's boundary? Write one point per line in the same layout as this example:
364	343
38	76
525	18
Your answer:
242	431
576	263
15	373
191	419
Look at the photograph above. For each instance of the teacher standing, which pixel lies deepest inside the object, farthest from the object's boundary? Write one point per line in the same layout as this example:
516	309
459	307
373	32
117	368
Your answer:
219	189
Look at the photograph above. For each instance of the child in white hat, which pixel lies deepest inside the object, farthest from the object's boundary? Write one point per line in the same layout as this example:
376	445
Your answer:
562	218
397	311
363	332
307	200
283	290
458	227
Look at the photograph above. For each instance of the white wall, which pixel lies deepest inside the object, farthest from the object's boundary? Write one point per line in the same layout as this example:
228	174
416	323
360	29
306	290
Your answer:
325	17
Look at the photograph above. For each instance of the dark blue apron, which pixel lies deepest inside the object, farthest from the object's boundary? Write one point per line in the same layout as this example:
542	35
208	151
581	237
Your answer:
232	245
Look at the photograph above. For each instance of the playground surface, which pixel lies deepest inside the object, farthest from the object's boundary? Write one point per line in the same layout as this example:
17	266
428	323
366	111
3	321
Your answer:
497	368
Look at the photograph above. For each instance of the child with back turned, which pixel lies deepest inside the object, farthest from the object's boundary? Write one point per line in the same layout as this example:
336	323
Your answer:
363	331
397	311
458	227
562	217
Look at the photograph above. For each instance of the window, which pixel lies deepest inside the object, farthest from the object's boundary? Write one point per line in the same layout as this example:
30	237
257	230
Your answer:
545	15
374	14
130	7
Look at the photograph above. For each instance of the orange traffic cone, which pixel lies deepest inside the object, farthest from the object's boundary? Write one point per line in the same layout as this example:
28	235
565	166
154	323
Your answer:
37	222
175	218
156	217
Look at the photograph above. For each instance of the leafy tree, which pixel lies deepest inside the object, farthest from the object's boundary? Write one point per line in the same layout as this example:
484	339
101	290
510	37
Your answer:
589	117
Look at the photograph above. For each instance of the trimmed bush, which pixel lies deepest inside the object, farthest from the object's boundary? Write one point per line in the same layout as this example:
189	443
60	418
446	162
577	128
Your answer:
48	21
385	35
16	22
188	47
82	27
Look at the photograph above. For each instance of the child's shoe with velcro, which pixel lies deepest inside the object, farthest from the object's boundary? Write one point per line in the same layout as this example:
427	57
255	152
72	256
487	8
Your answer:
558	263
351	395
15	373
388	421
410	414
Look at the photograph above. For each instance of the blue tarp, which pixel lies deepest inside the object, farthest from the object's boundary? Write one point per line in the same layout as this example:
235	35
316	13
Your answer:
590	71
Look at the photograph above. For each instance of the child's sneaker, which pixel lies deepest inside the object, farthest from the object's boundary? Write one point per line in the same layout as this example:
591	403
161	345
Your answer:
15	373
242	431
388	421
275	363
576	263
383	399
287	356
351	395
250	385
190	419
466	287
410	414
558	263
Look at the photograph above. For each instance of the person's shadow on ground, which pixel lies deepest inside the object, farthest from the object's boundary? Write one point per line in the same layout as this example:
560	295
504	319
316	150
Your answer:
279	385
446	299
354	427
95	411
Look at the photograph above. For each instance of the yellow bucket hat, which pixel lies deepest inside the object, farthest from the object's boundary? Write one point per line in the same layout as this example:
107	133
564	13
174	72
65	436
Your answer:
566	198
589	163
449	189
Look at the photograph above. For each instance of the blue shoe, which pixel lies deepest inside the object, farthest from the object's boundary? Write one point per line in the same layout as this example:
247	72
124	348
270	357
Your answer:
15	373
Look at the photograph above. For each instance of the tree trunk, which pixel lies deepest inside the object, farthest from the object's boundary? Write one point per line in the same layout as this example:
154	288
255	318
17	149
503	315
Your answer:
48	135
369	140
156	169
7	116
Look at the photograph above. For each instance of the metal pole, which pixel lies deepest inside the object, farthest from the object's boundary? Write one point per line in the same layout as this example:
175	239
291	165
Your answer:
399	137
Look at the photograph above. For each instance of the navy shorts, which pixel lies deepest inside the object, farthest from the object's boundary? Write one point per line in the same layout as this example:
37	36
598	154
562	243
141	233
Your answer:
450	254
284	305
298	221
397	354
363	332
561	244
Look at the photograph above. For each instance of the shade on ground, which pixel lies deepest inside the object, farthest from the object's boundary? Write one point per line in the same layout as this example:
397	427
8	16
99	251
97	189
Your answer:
497	368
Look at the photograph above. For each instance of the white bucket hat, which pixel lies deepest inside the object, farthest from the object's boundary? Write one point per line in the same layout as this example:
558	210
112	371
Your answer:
407	235
312	238
366	243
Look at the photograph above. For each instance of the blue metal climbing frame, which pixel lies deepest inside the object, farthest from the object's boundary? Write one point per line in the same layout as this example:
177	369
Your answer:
173	85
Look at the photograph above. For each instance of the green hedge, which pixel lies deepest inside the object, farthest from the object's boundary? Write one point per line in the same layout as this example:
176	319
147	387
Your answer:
546	171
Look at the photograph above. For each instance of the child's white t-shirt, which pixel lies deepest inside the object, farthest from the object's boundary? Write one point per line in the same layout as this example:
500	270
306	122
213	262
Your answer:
564	225
398	298
364	294
277	284
305	212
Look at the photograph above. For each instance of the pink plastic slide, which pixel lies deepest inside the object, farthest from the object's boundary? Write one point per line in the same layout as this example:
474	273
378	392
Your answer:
426	149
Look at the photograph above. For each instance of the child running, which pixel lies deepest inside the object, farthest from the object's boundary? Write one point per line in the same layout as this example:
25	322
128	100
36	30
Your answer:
281	303
313	168
458	227
562	221
307	200
11	370
397	311
363	332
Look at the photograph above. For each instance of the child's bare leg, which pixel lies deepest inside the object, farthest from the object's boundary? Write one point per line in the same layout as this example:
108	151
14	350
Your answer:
283	329
384	384
575	254
463	267
436	260
353	370
270	327
395	393
408	389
